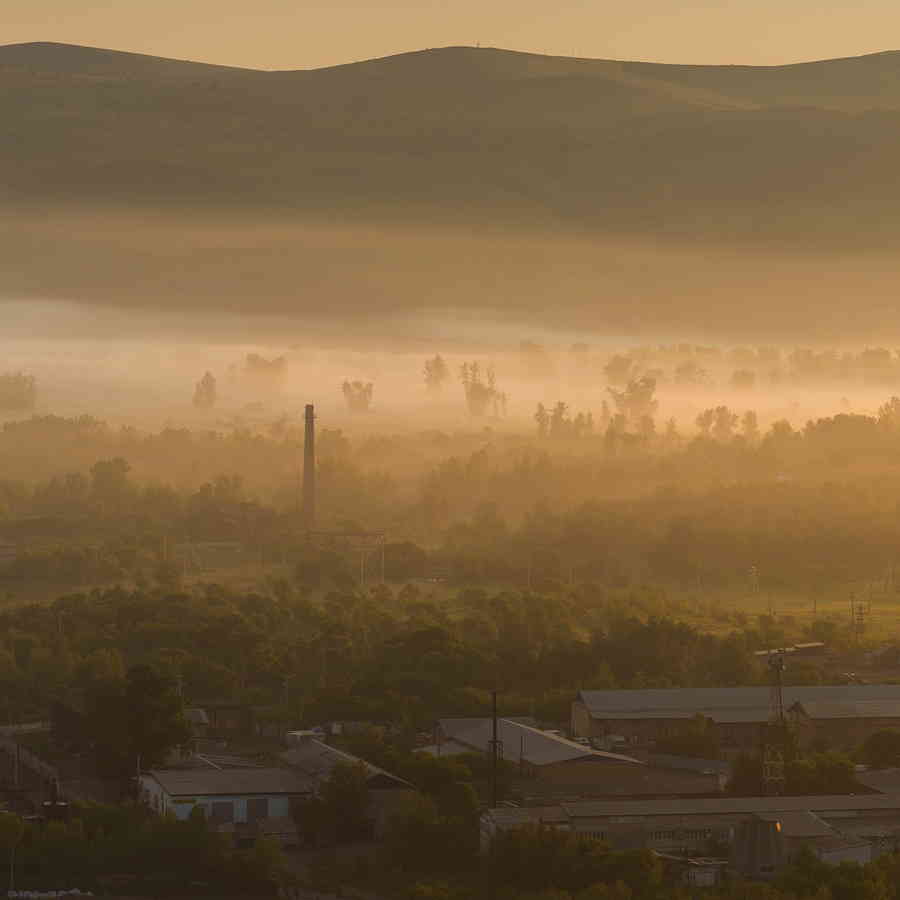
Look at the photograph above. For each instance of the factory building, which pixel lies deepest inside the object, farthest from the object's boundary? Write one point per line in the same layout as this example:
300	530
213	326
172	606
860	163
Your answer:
839	715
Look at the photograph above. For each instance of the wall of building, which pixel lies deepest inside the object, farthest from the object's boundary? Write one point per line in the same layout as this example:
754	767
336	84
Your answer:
600	777
838	733
277	805
664	836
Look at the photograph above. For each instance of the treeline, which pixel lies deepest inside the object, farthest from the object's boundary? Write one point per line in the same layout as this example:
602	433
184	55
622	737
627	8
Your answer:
742	368
402	657
808	508
127	851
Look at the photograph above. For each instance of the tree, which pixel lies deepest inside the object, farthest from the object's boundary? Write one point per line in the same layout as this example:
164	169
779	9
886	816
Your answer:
671	435
646	428
268	373
110	486
750	426
542	417
690	372
559	420
889	414
135	722
724	423
743	379
18	392
205	392
619	370
340	810
480	394
705	421
636	400
605	417
155	711
358	395
436	373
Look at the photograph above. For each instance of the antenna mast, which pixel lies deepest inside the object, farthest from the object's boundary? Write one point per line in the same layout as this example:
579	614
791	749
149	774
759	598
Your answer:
775	745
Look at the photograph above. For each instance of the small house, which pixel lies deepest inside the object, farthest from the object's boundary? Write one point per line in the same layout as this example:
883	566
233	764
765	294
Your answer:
224	796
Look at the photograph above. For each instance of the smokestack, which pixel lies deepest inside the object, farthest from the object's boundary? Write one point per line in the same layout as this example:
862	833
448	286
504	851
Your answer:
309	469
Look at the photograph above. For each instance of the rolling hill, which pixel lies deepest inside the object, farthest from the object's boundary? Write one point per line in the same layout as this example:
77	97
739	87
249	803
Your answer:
464	135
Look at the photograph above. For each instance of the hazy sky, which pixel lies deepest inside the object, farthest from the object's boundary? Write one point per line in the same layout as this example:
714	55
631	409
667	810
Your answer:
298	34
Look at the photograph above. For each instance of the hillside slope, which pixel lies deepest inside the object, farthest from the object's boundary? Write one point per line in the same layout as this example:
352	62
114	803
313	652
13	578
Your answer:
465	135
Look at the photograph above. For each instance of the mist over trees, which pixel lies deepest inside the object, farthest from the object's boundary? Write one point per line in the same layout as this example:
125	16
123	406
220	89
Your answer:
18	392
205	392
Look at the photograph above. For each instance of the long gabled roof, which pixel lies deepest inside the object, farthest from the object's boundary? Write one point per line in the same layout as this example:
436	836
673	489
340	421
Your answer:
533	746
316	759
745	704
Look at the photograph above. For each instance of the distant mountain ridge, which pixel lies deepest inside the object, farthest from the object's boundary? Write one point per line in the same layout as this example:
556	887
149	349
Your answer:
466	135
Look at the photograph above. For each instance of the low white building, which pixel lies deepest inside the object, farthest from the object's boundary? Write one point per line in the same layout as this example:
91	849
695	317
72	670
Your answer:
224	796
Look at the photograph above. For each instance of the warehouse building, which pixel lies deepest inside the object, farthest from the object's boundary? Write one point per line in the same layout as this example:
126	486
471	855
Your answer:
839	715
836	828
549	763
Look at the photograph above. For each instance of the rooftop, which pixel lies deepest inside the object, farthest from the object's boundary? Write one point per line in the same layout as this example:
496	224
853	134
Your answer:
885	781
315	759
733	805
801	815
525	742
798	823
230	782
745	704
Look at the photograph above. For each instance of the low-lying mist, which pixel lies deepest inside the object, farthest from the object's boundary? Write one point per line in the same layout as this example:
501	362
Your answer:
140	367
488	286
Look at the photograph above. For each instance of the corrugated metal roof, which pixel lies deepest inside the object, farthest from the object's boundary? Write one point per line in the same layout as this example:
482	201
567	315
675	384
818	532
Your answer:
885	781
316	759
536	747
454	726
745	704
797	823
210	782
447	748
689	763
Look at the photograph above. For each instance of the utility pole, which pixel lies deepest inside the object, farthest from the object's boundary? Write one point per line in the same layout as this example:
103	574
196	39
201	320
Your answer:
858	613
496	752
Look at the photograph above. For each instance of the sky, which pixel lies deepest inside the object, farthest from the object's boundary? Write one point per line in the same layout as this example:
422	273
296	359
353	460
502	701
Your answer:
292	34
